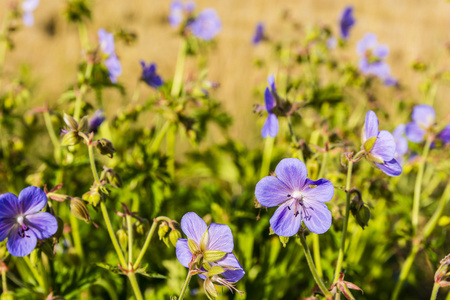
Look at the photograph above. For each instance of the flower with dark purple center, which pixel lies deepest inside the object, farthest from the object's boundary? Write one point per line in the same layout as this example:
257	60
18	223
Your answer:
96	120
149	75
346	22
207	25
372	56
178	10
206	247
258	36
271	125
401	143
22	222
300	199
28	6
423	118
379	146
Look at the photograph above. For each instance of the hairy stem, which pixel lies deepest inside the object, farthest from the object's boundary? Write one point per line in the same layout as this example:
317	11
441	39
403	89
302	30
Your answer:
130	239
135	286
434	293
185	286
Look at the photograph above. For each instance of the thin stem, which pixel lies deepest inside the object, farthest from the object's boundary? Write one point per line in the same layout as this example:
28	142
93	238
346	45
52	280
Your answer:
434	293
159	137
112	235
4	43
185	286
294	138
130	239
346	218
4	283
137	92
267	156
171	150
429	227
76	236
43	273
82	33
92	161
310	261
418	187
35	272
405	270
135	286
53	137
179	69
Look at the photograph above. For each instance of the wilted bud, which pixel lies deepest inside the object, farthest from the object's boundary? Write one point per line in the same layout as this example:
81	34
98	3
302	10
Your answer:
360	211
105	147
111	177
163	230
141	226
284	240
73	125
7	296
83	125
71	138
123	238
174	235
79	209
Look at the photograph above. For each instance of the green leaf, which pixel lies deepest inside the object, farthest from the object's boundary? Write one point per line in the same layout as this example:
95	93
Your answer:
213	255
192	246
216	270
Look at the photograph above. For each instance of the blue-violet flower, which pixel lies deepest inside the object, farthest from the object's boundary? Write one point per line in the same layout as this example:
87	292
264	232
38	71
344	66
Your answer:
207	25
271	126
423	118
96	120
401	143
28	6
178	10
259	35
149	75
346	22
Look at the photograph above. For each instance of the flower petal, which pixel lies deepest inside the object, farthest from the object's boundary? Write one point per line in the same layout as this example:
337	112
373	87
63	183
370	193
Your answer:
220	238
271	81
193	226
231	261
43	224
271	191
5	226
270	127
444	135
381	51
319	218
184	255
414	132
31	200
384	146
292	172
391	168
367	42
269	100
8	206
322	192
370	126
284	222
20	246
424	115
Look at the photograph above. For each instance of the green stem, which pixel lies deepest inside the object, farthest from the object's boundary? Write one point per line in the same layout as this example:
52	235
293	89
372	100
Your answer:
434	293
179	69
43	273
76	236
53	137
405	270
82	91
294	138
135	286
171	150
346	218
35	272
267	156
429	227
92	161
159	137
137	92
4	43
418	188
112	235
310	261
185	286
130	239
4	283
82	33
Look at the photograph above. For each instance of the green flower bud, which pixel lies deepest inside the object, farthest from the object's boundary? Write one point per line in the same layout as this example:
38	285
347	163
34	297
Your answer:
284	240
79	209
141	226
7	296
163	230
83	125
123	238
112	178
174	235
70	122
93	197
105	147
71	138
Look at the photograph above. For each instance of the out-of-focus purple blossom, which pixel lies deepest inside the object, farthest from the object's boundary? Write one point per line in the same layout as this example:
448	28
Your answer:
401	142
332	43
207	25
372	56
96	120
346	22
114	67
149	75
300	199
178	12
379	146
444	135
271	125
106	41
423	117
28	6
259	35
23	223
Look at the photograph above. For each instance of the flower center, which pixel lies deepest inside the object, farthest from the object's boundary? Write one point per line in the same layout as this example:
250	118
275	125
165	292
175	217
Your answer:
23	228
299	205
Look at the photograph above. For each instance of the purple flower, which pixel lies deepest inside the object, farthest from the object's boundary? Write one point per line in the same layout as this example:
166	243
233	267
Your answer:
207	25
332	43
423	117
379	146
106	41
271	126
300	199
28	6
444	135
204	242
346	22
21	221
178	10
372	56
149	75
114	67
401	143
96	120
258	36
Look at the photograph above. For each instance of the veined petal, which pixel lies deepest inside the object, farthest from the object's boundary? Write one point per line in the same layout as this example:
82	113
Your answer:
319	217
43	224
292	172
370	126
31	200
5	226
424	115
8	205
270	127
271	191
193	226
231	261
284	221
321	190
391	168
220	238
414	132
384	146
184	255
20	246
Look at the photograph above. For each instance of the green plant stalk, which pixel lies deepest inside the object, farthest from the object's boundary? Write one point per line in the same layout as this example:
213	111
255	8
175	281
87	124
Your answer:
82	91
82	34
135	286
179	69
43	274
76	236
53	137
149	238
405	270
346	218
310	261
185	285
4	283
267	156
418	188
159	137
294	138
434	292
137	92
130	239
171	149
35	272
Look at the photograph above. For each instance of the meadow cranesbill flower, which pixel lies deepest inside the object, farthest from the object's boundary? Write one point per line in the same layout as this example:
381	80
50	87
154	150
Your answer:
401	143
346	22
96	120
423	118
379	146
372	59
114	67
28	6
271	125
444	135
206	247
23	223
112	63
207	25
300	199
149	75
258	36
178	10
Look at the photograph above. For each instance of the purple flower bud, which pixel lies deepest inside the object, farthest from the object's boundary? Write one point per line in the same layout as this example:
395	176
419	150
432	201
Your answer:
207	25
346	22
258	36
149	75
444	135
96	120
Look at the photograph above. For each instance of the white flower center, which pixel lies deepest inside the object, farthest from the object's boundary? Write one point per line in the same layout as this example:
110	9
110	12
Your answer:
297	195
20	220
